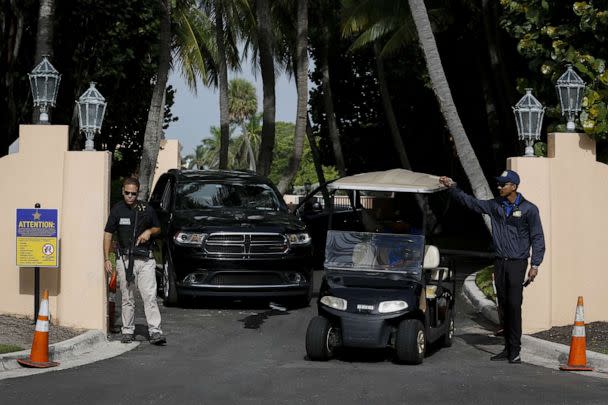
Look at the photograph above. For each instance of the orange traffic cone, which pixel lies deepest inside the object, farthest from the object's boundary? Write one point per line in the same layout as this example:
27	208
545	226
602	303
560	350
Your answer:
39	356
577	360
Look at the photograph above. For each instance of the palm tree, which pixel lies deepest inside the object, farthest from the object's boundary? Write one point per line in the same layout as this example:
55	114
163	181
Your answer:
440	86
389	18
301	72
44	37
242	106
194	52
152	136
265	40
226	17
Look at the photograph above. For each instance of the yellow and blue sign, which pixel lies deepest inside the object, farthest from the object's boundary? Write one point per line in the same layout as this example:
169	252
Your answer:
37	231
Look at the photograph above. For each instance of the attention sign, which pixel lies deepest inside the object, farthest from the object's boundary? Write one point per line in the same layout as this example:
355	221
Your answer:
37	238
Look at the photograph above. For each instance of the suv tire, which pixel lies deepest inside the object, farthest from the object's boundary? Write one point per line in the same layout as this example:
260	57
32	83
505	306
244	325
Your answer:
170	295
410	344
318	345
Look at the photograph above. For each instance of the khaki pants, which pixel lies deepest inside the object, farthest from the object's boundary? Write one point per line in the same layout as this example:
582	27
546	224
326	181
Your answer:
145	281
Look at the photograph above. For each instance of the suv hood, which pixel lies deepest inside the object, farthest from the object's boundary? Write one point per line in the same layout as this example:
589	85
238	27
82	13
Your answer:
236	220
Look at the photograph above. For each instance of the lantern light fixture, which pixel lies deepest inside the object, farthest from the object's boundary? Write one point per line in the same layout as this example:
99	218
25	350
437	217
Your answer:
529	114
44	83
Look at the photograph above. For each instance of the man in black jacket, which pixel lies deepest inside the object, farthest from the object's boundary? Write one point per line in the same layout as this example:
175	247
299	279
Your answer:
516	228
135	223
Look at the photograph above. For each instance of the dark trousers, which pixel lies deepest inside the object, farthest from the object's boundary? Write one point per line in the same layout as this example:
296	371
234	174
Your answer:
509	277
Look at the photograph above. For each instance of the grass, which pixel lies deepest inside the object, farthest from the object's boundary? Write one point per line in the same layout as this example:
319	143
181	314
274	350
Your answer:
5	348
484	282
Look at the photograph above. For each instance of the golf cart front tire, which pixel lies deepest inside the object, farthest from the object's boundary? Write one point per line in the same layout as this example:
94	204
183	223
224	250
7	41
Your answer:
410	345
317	339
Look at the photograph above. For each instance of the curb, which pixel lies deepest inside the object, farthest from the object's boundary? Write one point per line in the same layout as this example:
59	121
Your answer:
483	305
62	351
553	352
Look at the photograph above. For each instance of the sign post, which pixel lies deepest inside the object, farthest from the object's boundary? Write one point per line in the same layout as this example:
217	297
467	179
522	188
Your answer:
37	234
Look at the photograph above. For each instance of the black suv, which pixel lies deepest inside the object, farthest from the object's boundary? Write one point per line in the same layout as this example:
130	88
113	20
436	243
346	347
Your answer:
229	233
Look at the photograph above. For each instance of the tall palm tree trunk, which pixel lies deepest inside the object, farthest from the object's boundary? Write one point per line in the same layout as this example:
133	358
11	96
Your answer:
44	37
388	110
302	90
249	146
328	102
431	219
439	82
268	85
316	159
154	126
222	85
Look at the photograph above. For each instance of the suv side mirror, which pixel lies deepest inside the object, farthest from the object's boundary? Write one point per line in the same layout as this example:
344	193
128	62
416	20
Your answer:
431	257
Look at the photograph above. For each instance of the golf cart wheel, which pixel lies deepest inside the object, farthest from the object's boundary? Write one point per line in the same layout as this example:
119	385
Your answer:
319	338
448	338
411	342
170	295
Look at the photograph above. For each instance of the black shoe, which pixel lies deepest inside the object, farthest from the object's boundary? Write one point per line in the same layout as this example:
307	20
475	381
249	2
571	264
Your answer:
502	356
157	339
127	338
515	359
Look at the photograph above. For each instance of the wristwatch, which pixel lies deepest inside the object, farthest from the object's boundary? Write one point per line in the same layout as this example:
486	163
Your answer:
534	267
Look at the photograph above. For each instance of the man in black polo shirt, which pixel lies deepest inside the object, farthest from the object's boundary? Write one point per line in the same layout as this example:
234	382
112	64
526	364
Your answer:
516	228
135	223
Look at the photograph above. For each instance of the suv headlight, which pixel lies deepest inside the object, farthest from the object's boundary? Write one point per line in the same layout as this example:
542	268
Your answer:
299	238
334	302
391	306
189	238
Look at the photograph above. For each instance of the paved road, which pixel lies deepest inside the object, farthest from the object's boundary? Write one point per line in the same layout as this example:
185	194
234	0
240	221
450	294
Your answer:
240	354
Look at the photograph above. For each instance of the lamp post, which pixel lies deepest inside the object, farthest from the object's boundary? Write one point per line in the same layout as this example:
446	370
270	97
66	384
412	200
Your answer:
529	114
91	110
44	82
570	89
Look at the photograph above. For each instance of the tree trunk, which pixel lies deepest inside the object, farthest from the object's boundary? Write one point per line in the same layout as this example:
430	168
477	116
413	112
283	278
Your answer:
503	84
388	110
268	83
222	84
440	86
249	146
431	219
11	30
44	38
154	126
316	158
328	102
302	89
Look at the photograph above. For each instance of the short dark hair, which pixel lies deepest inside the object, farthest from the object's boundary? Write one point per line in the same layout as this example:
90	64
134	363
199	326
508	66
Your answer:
131	180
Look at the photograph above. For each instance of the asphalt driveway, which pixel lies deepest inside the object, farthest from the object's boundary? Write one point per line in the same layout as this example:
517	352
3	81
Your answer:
250	353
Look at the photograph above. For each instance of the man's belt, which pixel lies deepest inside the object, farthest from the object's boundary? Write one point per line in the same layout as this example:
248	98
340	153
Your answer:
507	259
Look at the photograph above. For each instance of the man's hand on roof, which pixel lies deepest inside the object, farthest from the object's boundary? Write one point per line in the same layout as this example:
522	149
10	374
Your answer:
446	181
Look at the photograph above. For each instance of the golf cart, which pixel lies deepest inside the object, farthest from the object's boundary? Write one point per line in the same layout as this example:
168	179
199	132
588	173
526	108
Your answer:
383	285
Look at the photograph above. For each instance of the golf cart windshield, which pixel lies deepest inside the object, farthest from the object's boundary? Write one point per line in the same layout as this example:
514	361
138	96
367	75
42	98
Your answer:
374	252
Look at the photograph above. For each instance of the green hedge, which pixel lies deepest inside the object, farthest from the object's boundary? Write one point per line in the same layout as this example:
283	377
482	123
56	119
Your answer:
484	282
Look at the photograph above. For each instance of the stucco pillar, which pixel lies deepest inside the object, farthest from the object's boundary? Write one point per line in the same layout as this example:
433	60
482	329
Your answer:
570	189
535	177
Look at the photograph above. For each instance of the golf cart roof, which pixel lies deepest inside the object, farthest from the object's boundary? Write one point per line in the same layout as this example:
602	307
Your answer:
399	180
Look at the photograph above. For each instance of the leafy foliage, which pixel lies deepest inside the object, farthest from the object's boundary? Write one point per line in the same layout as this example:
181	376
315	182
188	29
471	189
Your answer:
553	33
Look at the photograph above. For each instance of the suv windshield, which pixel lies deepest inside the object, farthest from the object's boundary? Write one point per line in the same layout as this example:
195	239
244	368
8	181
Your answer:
201	195
373	252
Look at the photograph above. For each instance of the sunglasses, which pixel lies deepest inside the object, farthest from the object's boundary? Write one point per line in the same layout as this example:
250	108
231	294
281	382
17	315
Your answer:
127	193
501	185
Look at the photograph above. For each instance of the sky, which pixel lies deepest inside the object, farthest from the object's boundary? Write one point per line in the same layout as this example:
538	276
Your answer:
199	112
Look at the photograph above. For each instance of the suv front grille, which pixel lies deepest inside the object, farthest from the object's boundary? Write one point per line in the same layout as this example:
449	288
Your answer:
246	279
245	245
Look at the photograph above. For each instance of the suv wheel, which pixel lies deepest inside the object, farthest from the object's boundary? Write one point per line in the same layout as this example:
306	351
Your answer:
320	339
410	344
170	296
